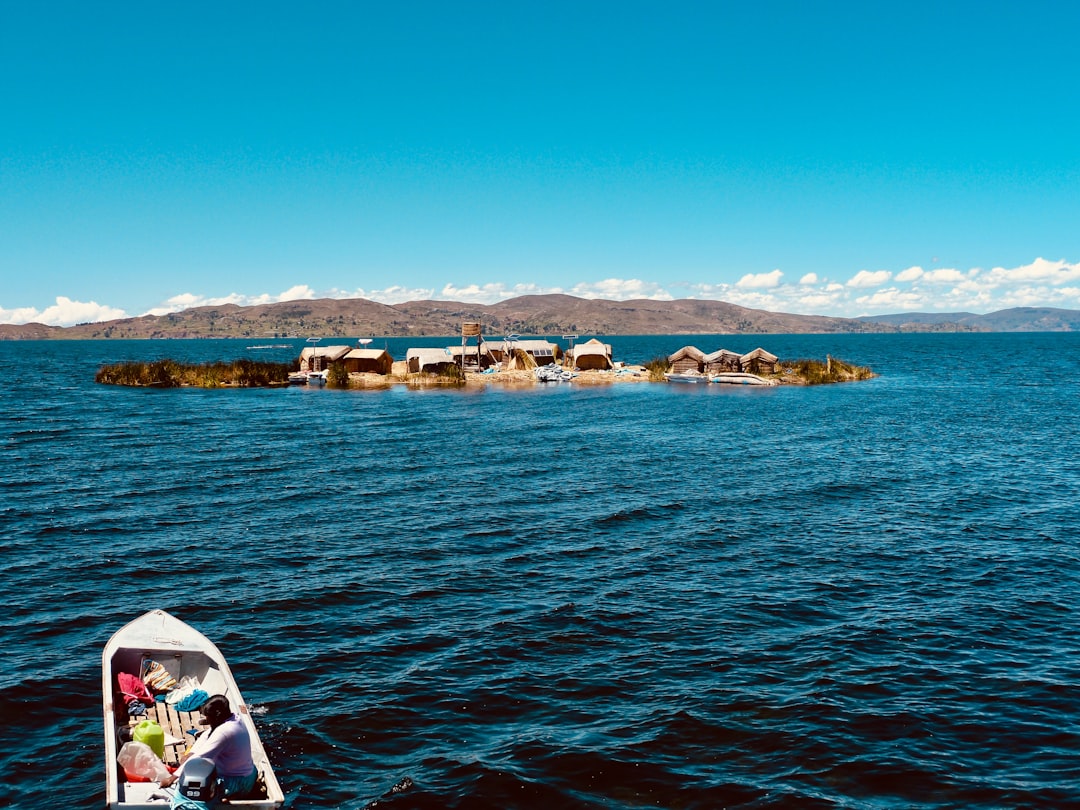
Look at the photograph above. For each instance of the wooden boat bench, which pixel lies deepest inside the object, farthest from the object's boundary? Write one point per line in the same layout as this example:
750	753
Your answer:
176	726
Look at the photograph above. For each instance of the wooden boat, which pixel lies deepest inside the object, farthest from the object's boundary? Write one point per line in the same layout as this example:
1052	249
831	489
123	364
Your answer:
184	652
740	378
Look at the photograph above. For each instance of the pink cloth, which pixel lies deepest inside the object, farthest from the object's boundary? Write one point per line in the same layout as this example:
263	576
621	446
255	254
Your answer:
134	689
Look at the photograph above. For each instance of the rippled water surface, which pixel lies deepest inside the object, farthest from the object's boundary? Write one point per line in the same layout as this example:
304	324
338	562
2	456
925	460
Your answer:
856	596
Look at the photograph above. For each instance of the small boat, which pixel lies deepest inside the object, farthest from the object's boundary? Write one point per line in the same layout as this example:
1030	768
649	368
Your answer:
740	378
298	378
552	373
317	377
686	377
185	656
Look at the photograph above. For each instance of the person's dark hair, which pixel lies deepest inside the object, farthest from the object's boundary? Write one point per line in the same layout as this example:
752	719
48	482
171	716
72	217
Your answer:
216	709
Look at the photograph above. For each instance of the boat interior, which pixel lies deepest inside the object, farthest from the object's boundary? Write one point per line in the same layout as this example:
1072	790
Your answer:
180	727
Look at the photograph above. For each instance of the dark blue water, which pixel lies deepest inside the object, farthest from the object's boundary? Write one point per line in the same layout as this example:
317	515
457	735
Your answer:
859	596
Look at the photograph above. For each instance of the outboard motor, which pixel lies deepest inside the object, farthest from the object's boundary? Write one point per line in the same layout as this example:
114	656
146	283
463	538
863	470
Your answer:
198	781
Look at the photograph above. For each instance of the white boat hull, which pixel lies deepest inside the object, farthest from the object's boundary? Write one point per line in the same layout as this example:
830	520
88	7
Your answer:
184	652
740	378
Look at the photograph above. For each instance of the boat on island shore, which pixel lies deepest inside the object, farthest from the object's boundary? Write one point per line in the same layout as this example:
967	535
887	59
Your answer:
740	378
552	373
686	377
317	378
158	641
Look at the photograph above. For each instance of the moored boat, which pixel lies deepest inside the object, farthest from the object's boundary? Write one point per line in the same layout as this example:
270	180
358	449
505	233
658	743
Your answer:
686	377
552	373
740	378
158	641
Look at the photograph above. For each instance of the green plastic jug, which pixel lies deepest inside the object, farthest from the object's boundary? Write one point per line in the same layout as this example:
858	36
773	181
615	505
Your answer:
149	732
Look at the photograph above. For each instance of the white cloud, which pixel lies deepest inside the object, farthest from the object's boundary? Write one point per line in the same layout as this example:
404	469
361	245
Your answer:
943	275
615	289
814	303
866	278
473	293
755	281
1052	273
891	298
708	291
755	300
911	274
64	312
191	300
619	289
298	292
809	278
20	315
394	294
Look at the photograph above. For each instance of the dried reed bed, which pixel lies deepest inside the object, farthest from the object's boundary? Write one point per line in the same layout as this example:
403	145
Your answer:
172	374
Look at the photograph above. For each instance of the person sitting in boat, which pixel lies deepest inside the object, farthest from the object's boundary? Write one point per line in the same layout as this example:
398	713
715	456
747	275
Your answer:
227	744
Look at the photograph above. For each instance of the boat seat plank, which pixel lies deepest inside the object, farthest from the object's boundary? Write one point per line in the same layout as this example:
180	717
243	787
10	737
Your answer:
176	726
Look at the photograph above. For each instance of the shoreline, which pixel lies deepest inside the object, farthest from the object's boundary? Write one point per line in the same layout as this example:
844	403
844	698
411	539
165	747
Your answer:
628	374
248	374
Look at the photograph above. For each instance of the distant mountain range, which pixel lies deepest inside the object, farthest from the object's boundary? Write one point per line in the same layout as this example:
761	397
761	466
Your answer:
528	315
1017	319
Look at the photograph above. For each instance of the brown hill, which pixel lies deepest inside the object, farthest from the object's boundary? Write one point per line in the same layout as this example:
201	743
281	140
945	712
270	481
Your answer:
528	315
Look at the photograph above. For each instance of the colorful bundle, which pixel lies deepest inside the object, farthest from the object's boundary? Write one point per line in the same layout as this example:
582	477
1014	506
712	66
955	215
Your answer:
157	677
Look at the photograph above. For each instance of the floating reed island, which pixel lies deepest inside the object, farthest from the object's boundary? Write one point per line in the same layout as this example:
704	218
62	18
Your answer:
174	374
521	365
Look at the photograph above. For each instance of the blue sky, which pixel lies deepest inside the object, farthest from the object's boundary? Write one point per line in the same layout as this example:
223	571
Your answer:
824	158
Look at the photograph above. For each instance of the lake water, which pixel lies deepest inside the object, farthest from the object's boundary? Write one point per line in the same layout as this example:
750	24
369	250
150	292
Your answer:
855	596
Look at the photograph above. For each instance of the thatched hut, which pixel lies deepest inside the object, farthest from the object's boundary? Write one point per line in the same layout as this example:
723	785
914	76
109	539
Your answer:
721	361
317	358
539	352
431	361
593	355
369	361
475	356
759	361
542	352
687	360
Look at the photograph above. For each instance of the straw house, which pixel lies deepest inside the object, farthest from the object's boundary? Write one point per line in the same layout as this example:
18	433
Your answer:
369	361
542	352
475	356
593	355
688	359
317	358
431	361
759	361
496	348
722	360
